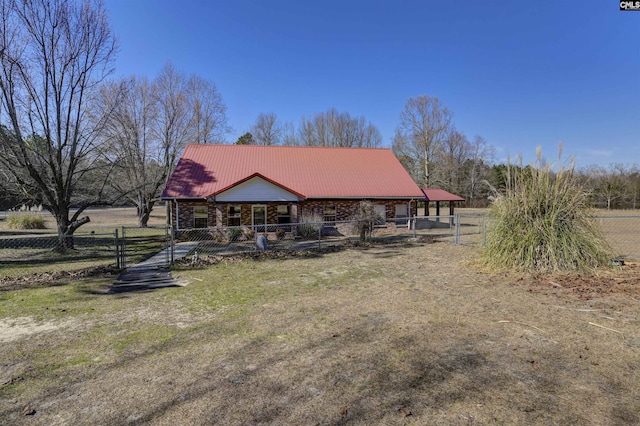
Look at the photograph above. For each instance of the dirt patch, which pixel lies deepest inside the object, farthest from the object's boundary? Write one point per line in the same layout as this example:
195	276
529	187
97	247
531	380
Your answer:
618	285
12	329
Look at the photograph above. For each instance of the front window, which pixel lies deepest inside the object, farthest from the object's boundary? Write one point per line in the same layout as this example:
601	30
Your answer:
381	214
234	215
200	216
329	213
284	214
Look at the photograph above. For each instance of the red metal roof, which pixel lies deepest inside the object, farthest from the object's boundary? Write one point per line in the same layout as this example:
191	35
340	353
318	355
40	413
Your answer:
436	194
314	172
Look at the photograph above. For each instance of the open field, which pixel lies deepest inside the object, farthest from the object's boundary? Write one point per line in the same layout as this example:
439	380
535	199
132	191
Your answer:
103	220
387	334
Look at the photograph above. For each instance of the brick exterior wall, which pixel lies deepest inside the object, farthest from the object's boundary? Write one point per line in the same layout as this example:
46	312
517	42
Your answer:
346	209
186	214
217	213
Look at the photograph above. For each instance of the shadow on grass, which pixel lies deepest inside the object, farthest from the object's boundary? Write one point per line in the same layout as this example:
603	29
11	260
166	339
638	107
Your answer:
365	371
373	381
56	279
58	258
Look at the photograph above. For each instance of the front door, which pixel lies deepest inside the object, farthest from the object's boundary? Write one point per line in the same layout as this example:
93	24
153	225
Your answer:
259	217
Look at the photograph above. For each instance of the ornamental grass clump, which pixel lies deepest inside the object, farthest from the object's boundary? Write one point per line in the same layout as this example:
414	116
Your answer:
542	223
310	224
26	221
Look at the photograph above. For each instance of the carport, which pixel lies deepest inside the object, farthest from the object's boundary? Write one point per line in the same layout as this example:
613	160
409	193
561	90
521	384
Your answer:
437	195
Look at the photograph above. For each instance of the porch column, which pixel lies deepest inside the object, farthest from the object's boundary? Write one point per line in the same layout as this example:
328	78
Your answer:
218	215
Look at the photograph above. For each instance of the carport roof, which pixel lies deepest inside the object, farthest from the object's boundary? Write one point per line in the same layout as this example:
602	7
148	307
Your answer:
436	194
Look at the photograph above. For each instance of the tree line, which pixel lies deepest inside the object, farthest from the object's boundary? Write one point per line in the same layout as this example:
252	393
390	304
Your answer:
330	128
426	142
70	138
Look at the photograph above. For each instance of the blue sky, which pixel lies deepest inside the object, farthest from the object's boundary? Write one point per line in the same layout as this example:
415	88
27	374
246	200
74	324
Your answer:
520	74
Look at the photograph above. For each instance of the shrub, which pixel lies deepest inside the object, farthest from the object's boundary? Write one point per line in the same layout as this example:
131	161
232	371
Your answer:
234	234
542	223
364	220
280	233
310	224
25	221
249	234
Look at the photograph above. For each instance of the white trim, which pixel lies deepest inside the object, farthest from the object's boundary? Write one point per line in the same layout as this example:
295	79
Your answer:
256	189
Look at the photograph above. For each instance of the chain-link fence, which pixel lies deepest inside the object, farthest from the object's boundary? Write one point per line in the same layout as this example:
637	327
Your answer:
121	248
622	232
290	236
128	246
308	236
32	250
471	229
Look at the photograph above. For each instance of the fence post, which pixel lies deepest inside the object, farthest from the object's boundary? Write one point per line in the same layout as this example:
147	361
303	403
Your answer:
320	236
117	249
415	227
123	250
457	237
166	244
173	244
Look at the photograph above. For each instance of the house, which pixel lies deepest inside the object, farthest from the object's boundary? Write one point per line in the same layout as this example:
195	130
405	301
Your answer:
248	185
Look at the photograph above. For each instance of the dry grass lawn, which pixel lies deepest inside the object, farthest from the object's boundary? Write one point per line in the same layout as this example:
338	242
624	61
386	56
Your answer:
390	334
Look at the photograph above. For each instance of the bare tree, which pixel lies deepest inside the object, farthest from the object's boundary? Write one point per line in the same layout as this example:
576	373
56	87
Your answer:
424	123
52	55
608	184
130	143
307	133
335	129
148	126
481	155
208	110
451	157
267	130
289	134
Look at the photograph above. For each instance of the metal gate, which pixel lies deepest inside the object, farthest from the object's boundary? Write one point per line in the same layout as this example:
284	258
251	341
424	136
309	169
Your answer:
149	246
